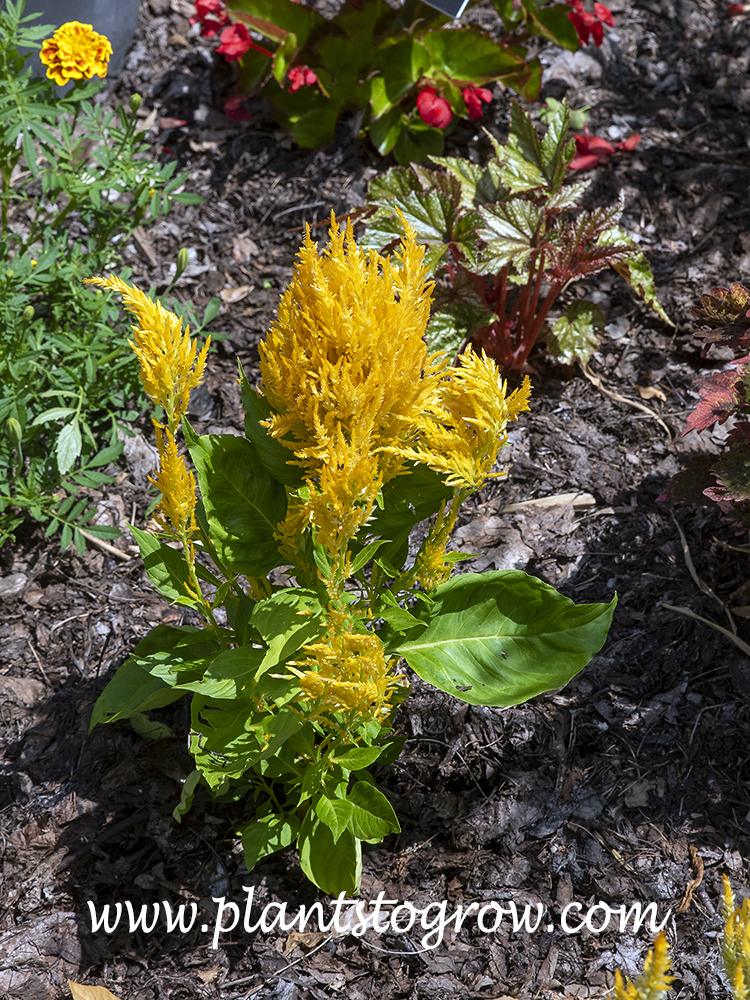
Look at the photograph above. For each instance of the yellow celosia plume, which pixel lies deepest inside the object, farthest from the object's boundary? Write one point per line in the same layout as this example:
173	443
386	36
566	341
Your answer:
464	429
170	363
735	944
176	510
654	980
351	675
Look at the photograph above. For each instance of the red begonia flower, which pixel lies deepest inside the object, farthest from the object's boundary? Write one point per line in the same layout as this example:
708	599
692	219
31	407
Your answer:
301	76
212	16
735	9
233	108
591	150
473	96
236	41
433	109
590	25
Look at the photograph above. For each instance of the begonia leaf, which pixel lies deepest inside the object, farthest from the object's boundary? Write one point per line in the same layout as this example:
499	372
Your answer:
726	313
576	335
509	230
470	56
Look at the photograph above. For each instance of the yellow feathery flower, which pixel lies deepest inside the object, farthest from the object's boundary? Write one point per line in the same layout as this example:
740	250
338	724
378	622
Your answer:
654	980
735	945
75	52
345	359
167	355
461	435
351	675
176	510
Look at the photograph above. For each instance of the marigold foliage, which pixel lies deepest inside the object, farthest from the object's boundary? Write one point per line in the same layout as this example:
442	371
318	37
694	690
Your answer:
654	980
735	944
75	52
170	369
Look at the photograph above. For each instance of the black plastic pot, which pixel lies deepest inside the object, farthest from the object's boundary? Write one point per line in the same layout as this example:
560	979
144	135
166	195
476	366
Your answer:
114	18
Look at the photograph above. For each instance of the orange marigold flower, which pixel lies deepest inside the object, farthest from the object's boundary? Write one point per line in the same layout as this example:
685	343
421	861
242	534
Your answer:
75	52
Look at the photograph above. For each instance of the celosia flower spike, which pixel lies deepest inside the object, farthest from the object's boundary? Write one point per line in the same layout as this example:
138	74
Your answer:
176	511
654	980
170	369
75	52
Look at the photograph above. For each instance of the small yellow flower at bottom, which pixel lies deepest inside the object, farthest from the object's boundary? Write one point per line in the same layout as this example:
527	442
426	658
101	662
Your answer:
654	980
75	52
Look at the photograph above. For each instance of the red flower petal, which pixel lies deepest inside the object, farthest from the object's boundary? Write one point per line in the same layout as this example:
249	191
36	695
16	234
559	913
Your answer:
735	9
233	108
604	14
235	42
630	143
591	150
433	110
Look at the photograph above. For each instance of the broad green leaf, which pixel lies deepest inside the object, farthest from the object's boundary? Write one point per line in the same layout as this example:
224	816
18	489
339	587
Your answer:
576	335
166	568
189	789
370	814
131	690
553	23
509	230
335	813
333	867
401	64
283	57
399	619
274	456
267	835
227	738
287	620
502	637
418	142
268	16
243	504
470	56
386	129
56	413
68	446
150	729
231	674
358	757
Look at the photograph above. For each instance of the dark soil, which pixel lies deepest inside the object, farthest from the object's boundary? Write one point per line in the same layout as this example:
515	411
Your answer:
599	792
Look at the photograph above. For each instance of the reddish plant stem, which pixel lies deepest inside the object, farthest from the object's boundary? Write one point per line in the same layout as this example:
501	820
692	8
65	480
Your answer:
549	301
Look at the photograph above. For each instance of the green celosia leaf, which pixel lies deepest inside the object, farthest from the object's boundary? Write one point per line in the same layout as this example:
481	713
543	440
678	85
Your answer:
576	335
227	736
365	812
287	620
68	446
502	637
509	230
334	867
131	690
274	456
358	757
243	504
165	567
189	789
267	835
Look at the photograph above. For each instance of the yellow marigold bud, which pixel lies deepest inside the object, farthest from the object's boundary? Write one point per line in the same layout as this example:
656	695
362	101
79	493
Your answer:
13	430
28	313
171	366
75	52
183	259
135	102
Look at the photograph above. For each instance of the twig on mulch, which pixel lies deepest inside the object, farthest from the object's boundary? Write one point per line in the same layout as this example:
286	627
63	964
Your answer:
596	381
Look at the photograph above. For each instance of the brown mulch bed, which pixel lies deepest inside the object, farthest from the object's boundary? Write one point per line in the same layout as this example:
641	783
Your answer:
594	793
